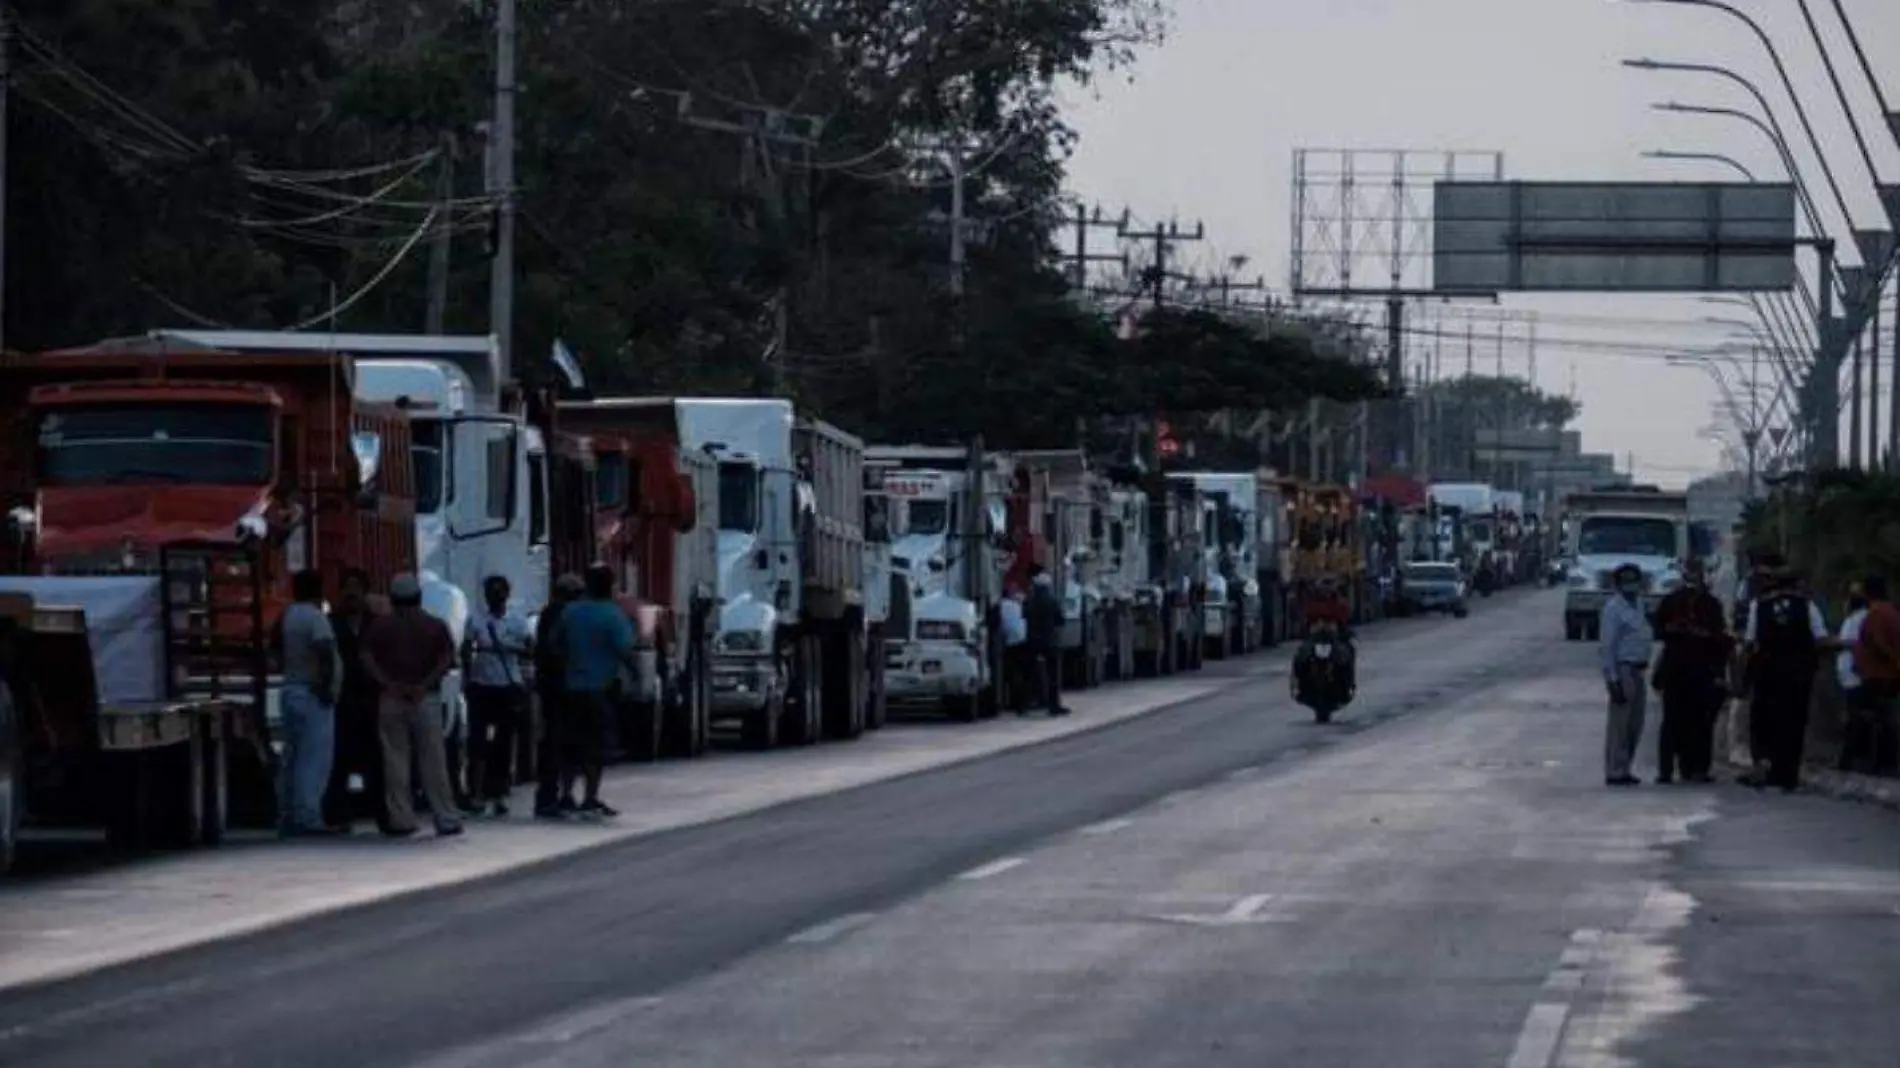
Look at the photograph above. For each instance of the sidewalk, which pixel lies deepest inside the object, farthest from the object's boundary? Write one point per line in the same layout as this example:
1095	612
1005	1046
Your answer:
58	927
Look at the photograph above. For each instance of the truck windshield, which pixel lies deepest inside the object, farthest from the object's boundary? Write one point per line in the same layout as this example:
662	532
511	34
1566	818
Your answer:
139	444
1701	539
926	517
738	497
425	452
1626	536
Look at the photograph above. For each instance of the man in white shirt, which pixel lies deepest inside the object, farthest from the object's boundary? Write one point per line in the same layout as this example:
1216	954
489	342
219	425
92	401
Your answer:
494	657
1858	742
1015	650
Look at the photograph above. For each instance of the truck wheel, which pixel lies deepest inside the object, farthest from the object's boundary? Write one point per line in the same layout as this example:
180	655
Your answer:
1572	632
845	689
765	729
642	724
12	780
700	685
808	684
875	711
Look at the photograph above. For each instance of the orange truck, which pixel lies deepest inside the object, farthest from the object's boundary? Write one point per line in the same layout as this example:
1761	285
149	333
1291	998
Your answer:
158	499
655	523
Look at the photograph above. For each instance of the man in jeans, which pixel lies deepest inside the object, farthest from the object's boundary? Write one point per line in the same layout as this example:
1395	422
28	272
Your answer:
311	679
553	796
595	640
408	652
1626	643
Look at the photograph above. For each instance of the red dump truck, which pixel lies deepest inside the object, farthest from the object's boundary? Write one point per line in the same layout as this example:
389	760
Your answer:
159	497
655	521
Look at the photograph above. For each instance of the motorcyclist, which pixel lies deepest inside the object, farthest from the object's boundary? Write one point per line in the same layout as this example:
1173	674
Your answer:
1329	616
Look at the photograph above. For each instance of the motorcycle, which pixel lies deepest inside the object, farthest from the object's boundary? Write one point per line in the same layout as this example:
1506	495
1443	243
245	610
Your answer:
1319	680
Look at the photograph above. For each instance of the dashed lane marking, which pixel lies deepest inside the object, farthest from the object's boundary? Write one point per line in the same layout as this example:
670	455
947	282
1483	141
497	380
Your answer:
995	867
1107	826
586	1021
1537	1040
830	929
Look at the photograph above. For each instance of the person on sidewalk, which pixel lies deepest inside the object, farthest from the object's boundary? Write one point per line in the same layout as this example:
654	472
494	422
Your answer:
1015	649
1624	650
356	779
1857	733
494	652
1691	677
1785	636
1042	617
596	641
408	652
553	789
1877	662
312	677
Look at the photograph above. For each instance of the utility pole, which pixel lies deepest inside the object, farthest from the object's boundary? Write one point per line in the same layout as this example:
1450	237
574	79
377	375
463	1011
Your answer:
501	187
957	247
1082	257
1873	382
1854	401
1164	237
438	312
6	81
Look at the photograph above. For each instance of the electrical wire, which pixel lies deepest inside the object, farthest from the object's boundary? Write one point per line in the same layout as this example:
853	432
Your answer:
375	280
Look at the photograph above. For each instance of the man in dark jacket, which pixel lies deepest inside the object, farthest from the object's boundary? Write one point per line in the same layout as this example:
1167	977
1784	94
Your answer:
359	753
1785	635
1043	615
1690	677
552	798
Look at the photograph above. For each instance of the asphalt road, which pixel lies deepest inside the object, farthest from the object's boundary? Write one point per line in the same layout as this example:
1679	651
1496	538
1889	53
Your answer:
1441	879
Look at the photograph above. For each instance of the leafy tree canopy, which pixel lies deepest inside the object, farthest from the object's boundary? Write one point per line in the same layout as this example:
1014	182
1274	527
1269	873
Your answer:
696	179
1516	400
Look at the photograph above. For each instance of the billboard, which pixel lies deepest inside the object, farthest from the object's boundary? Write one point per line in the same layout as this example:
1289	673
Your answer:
1612	237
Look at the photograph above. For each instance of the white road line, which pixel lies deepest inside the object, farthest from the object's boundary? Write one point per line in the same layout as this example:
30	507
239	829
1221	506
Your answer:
830	929
1248	907
1537	1042
1575	957
1564	980
1586	935
995	867
1243	773
1107	826
594	1018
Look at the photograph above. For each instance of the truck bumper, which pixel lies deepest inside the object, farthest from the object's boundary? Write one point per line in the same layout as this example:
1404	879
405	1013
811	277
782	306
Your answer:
930	671
742	685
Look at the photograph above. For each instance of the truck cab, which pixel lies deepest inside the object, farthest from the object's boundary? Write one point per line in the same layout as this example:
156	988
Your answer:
1234	612
1608	529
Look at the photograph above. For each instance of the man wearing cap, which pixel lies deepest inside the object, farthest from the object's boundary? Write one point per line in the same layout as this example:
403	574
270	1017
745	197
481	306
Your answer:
1625	645
408	652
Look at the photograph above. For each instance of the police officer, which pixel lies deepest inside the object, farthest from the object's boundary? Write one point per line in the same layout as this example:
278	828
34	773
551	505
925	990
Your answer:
1784	637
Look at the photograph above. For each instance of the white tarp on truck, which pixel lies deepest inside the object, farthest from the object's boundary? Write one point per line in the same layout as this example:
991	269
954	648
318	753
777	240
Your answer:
123	620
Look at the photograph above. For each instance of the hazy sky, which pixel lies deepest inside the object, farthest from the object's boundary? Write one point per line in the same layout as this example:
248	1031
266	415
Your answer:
1205	128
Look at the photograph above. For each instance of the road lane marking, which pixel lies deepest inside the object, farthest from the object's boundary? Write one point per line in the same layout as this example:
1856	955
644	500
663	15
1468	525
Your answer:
830	929
995	867
1575	957
1107	826
1537	1041
587	1021
1245	911
1243	773
1248	907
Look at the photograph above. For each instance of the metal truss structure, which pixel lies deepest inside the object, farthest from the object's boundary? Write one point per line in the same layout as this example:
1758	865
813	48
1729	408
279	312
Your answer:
1362	218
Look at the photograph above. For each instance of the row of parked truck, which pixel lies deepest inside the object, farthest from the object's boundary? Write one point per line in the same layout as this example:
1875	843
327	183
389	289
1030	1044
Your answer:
797	582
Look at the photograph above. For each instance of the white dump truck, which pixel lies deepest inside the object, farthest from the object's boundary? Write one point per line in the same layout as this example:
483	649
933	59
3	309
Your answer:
1607	529
1233	612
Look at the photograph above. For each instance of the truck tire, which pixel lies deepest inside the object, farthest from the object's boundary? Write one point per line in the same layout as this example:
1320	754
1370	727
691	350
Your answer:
12	780
876	712
808	710
699	685
642	725
765	729
844	696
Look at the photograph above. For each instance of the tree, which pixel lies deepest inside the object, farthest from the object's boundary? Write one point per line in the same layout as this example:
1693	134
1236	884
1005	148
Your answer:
1490	398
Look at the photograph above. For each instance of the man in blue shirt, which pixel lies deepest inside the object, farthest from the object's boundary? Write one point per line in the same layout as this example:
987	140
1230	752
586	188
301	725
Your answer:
595	640
1625	649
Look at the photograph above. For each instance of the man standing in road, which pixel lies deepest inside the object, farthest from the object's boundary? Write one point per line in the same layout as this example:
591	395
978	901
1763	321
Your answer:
408	652
1784	635
1690	676
595	641
494	650
1877	662
311	679
1626	639
1042	615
